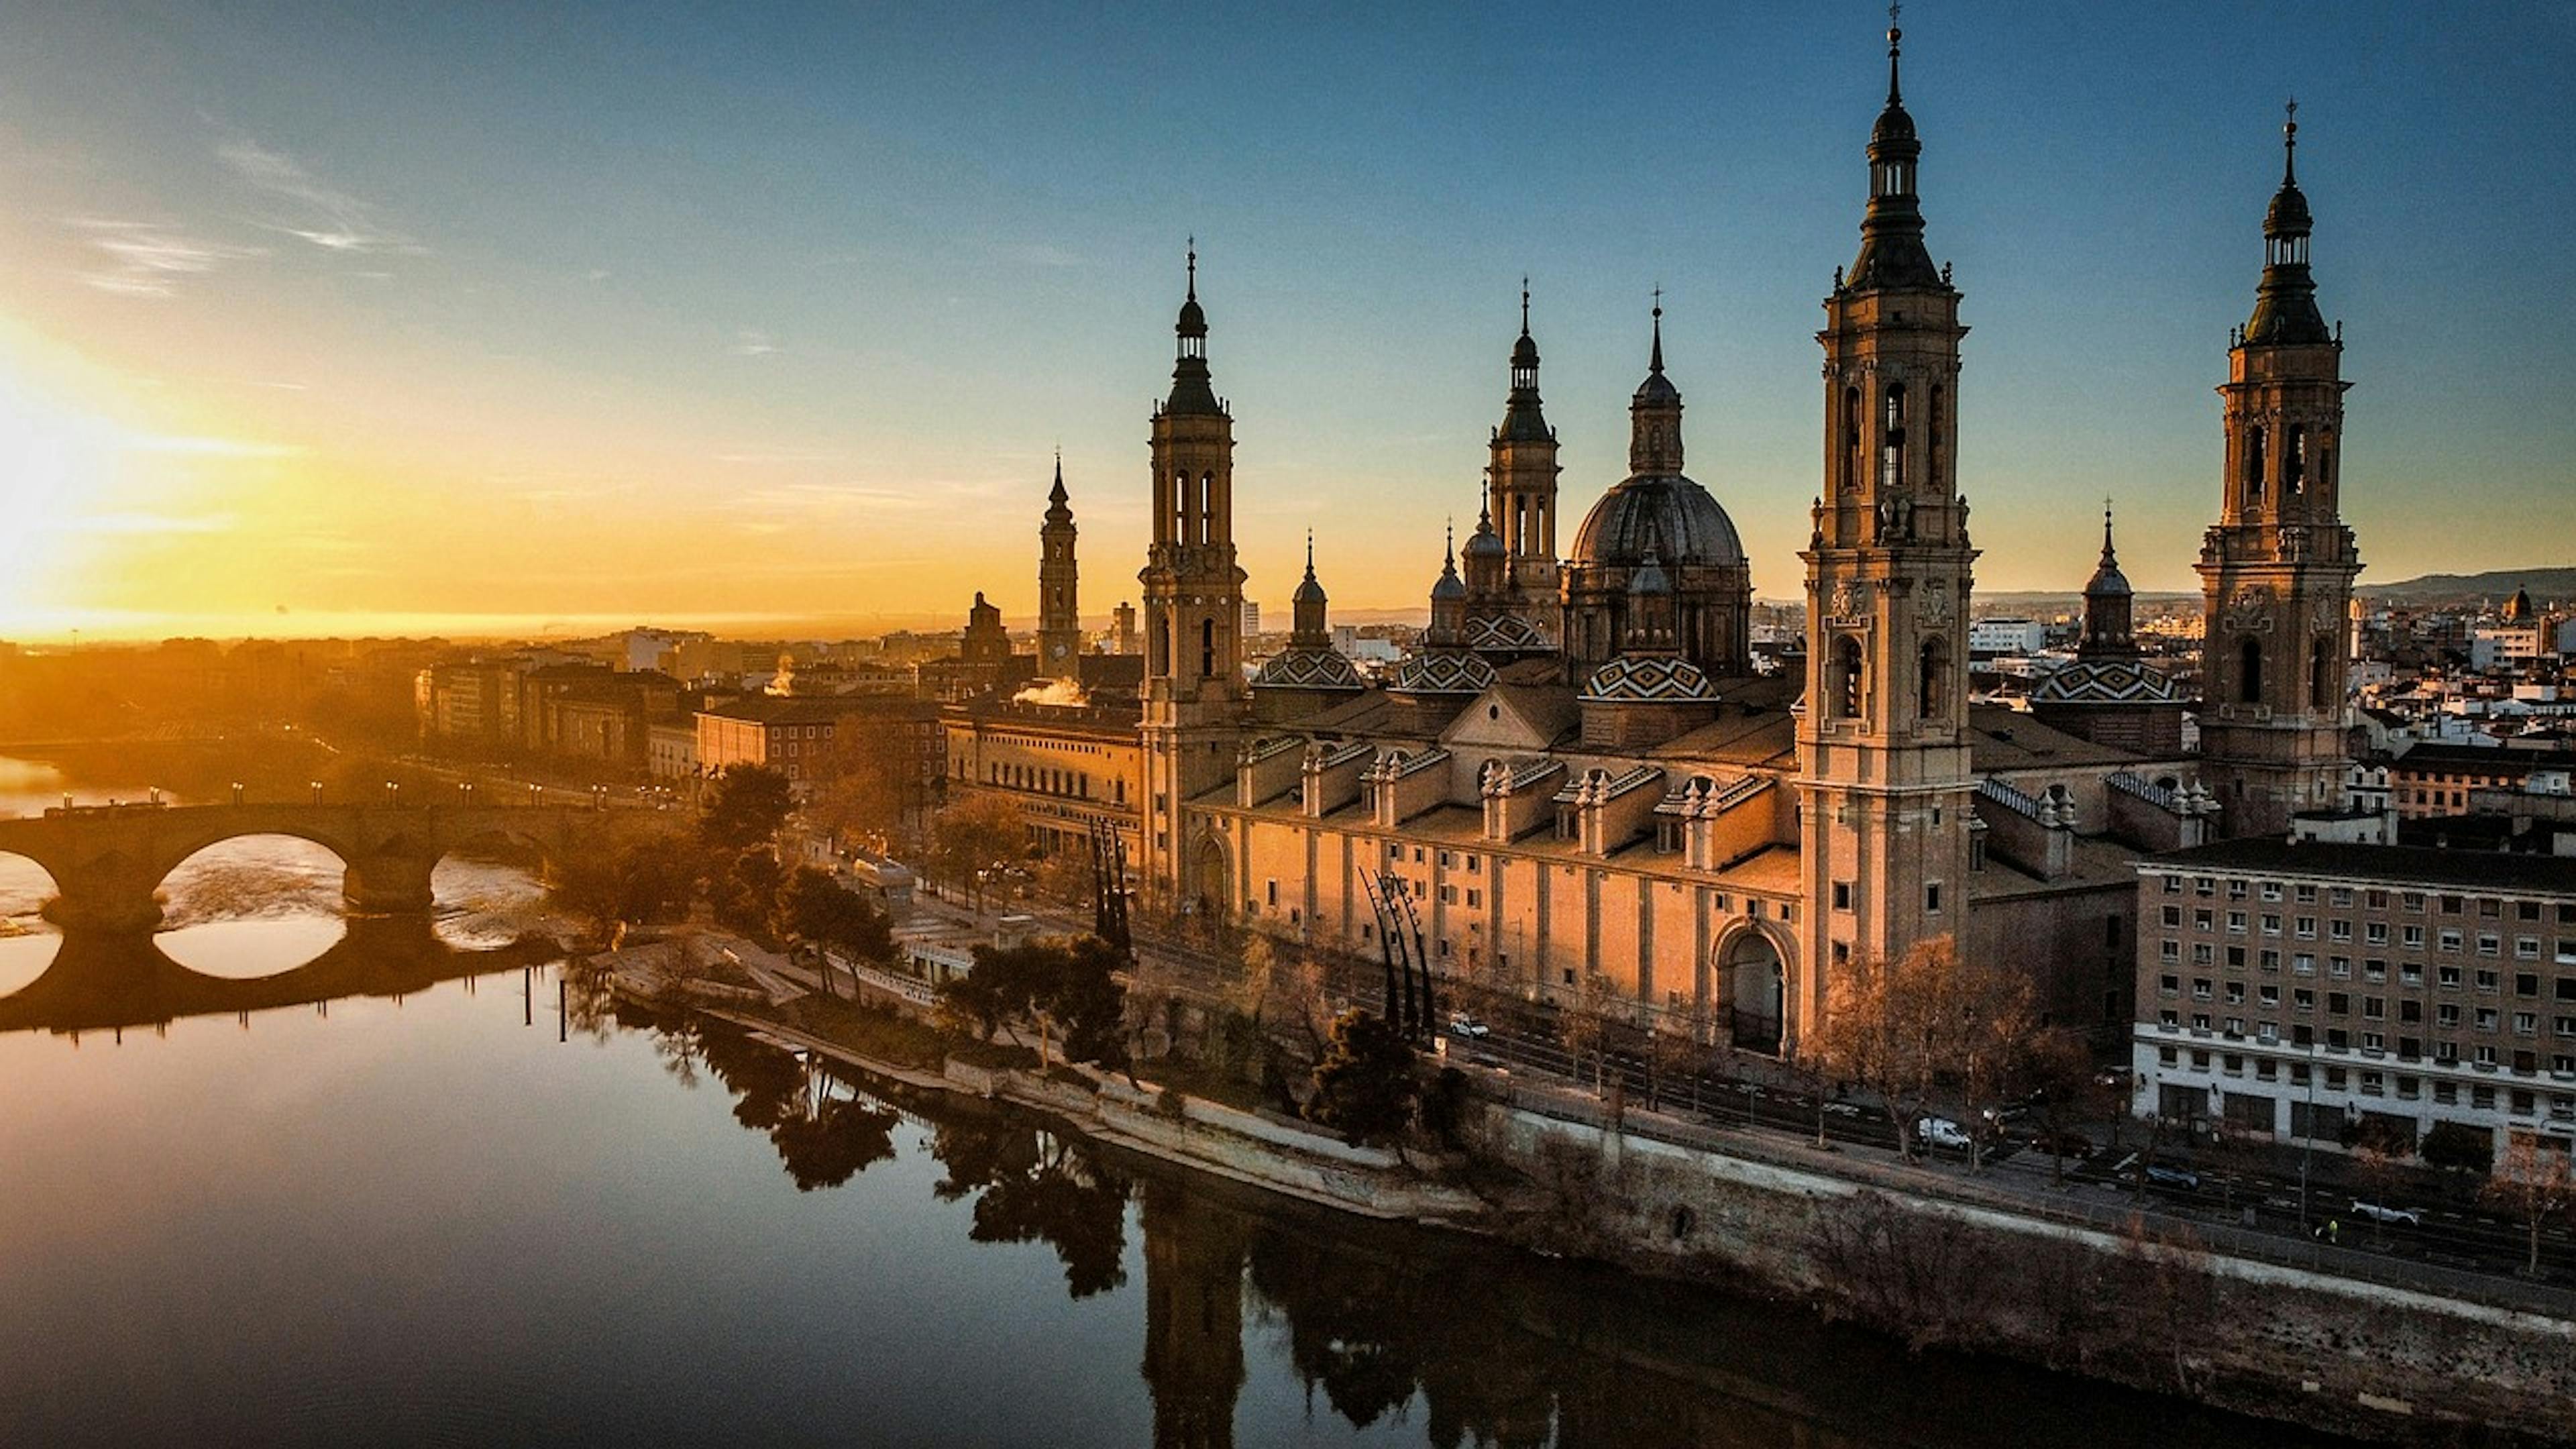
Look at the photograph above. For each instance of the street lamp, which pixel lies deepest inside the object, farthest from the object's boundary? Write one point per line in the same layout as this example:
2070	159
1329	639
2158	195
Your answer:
317	792
2308	1137
237	792
393	793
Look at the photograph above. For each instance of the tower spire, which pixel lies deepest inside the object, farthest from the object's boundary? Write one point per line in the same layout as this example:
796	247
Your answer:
2109	559
2285	306
1895	94
2290	143
1655	364
1191	392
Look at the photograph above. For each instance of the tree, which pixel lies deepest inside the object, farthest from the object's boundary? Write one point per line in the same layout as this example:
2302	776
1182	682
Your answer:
1585	1028
816	909
648	880
1904	1029
2060	1072
749	805
971	835
1365	1085
2459	1147
868	781
1070	991
744	894
2533	1183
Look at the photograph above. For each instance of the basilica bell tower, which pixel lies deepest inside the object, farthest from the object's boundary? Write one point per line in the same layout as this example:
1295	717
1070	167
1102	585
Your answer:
1884	784
1059	592
2276	570
1196	699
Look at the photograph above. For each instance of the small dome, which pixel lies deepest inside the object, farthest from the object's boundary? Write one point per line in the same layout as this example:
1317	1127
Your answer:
1193	321
1449	587
1658	388
2106	681
1525	352
1309	591
1674	515
1444	672
1307	669
2288	213
1484	542
1648	679
1893	125
2107	581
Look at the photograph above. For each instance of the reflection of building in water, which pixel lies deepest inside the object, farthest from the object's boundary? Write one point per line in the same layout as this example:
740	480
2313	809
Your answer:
1193	1316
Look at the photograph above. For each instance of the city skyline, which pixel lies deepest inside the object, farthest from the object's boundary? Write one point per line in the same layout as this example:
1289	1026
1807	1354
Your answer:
660	322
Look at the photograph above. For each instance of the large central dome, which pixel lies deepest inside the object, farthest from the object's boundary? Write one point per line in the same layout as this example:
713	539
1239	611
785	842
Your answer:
1672	514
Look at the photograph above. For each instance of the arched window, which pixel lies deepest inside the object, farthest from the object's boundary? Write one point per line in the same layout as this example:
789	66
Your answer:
1932	689
1207	507
2321	674
1162	639
1842	679
2249	671
1934	425
1207	648
1852	449
1891	468
2294	463
2253	464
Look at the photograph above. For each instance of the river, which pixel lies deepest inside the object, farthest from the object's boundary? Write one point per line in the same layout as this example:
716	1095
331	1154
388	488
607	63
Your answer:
428	1210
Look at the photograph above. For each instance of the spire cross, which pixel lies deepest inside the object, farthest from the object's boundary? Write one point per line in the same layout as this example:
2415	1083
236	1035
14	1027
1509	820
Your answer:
2290	143
1525	304
1656	364
1194	268
1894	36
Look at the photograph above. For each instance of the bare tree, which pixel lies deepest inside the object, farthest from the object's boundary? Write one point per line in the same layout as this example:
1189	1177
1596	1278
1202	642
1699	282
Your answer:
1905	1029
2536	1185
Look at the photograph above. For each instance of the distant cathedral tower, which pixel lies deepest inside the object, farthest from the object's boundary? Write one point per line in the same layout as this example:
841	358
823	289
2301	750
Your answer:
2276	571
1195	694
1882	744
1059	608
1520	489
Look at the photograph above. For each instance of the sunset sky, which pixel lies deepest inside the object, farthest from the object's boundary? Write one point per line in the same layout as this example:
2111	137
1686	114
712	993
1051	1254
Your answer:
514	317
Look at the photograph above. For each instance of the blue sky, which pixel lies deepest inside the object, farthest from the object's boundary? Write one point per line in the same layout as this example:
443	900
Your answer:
745	310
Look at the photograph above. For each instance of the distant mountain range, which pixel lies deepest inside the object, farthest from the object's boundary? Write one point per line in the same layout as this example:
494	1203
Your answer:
2544	583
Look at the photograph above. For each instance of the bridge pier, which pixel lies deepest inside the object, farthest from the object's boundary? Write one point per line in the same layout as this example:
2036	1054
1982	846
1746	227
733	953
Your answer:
388	885
114	897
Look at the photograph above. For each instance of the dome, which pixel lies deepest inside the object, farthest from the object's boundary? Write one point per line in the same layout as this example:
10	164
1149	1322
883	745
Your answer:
1449	587
1444	672
2106	681
1505	634
1658	388
2288	213
2107	580
1648	679
1308	590
1307	669
1484	542
1893	125
1672	515
1525	352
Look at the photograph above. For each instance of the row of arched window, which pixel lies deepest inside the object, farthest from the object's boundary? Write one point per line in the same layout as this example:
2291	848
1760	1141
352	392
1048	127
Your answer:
1193	517
1846	669
2301	459
1892	475
2322	690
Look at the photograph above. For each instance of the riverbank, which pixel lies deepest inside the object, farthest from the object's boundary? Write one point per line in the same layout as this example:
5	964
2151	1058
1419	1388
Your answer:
1968	1269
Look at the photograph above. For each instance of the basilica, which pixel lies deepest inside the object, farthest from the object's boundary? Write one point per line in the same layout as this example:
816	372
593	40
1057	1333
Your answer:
1578	782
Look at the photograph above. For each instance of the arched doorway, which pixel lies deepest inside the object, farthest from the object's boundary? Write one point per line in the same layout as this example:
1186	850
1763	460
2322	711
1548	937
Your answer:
1756	992
1212	889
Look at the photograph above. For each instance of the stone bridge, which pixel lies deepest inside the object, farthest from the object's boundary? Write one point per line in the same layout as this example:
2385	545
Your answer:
108	861
121	982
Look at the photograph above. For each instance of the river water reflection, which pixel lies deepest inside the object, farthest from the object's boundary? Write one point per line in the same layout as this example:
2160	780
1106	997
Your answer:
428	1220
274	1178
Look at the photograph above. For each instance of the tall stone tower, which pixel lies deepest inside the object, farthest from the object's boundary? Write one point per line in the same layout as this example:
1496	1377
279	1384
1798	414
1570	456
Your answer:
1520	489
1059	607
1884	780
2276	571
1195	696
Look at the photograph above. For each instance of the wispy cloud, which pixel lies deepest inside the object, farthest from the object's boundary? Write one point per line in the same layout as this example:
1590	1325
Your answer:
325	216
151	259
752	342
756	458
212	447
149	524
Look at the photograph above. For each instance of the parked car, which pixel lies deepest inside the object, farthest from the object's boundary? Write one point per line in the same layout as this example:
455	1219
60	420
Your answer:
1941	1132
2383	1213
2159	1175
2062	1144
1461	1024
